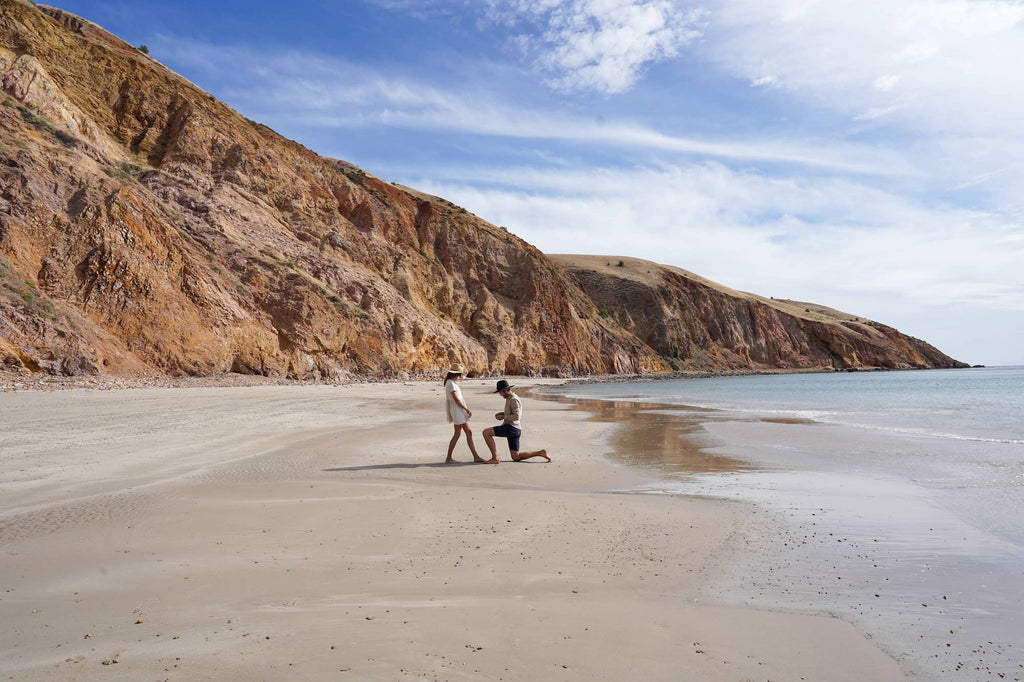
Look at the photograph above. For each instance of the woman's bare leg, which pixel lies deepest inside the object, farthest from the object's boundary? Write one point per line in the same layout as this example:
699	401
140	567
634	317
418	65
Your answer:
472	446
451	444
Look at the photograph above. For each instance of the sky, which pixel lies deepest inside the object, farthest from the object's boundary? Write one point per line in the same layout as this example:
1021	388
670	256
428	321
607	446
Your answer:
867	155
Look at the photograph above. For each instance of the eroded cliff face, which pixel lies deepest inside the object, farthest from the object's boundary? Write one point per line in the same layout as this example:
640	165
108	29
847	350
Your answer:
144	224
697	324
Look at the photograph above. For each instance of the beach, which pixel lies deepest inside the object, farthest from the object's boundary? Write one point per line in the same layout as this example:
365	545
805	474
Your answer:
311	532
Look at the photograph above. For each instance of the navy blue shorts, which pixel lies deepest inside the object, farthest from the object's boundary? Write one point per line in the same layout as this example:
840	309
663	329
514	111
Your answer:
510	432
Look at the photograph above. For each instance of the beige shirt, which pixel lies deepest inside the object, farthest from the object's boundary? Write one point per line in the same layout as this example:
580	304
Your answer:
513	410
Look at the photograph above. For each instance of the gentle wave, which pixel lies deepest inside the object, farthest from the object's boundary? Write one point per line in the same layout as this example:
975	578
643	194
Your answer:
818	416
928	434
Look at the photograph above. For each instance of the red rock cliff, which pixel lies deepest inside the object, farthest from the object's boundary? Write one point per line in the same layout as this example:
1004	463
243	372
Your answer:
145	224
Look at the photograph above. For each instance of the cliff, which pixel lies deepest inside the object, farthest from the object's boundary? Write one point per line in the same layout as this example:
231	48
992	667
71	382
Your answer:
146	226
697	324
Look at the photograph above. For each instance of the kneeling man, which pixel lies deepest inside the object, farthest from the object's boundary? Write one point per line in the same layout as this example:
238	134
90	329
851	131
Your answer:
510	427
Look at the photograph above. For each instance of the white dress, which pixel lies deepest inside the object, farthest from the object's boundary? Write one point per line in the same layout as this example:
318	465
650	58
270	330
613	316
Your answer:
455	413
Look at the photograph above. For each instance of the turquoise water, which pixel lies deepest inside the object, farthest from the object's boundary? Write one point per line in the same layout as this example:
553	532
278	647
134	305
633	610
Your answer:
896	501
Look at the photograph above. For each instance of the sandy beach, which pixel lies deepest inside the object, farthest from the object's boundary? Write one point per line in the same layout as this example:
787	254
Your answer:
312	532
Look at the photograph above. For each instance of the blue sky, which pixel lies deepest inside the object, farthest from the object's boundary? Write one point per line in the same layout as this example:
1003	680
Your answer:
867	155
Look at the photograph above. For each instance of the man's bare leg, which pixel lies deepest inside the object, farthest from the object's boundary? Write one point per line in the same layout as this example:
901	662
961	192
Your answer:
520	456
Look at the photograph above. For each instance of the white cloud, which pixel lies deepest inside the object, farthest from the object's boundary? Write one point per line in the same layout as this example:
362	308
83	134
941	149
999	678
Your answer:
767	80
876	113
956	62
583	45
600	45
887	82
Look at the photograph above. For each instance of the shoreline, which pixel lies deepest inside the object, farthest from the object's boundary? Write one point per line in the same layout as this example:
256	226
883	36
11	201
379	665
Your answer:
37	381
311	531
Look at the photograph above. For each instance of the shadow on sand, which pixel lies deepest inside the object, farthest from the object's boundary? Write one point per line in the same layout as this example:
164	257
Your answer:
404	465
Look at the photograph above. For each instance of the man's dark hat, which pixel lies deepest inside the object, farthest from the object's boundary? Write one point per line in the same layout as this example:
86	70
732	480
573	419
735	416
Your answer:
503	386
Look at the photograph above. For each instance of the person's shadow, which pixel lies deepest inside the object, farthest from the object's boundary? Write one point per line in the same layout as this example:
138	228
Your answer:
404	465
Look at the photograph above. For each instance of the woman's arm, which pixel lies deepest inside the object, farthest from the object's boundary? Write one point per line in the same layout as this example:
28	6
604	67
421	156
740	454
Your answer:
457	397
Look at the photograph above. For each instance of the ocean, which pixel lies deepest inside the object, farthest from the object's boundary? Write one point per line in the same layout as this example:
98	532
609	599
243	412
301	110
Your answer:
892	500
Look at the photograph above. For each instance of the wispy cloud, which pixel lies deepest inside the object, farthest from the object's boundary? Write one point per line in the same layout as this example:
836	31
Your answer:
323	92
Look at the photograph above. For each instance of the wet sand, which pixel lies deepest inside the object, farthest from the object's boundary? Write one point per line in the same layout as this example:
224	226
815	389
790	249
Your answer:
312	532
828	531
939	591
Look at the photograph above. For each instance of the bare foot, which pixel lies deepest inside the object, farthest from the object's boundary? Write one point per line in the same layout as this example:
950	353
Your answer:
544	454
450	461
491	461
478	459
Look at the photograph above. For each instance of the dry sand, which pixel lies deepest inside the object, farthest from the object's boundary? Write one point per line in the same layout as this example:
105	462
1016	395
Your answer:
311	532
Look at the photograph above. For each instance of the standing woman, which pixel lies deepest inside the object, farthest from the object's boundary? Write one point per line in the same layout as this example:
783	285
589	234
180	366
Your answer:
458	412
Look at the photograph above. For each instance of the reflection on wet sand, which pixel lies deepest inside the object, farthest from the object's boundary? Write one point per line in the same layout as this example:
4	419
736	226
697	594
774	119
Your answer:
653	435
